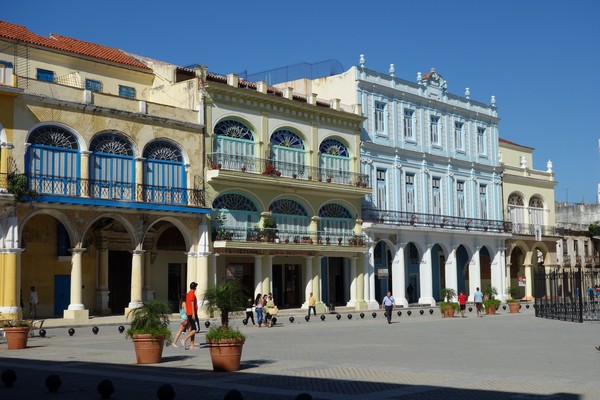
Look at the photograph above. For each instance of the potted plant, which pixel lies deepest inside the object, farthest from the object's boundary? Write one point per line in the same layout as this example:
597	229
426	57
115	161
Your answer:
513	304
225	343
149	330
447	307
16	332
489	302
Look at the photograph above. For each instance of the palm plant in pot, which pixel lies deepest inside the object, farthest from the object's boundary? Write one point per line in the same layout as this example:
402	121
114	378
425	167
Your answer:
149	330
489	302
225	343
448	307
16	332
513	304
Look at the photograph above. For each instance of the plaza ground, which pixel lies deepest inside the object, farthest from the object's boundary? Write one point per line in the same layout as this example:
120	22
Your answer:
506	356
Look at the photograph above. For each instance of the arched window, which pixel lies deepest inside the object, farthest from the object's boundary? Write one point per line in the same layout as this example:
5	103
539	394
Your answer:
235	212
292	218
233	146
516	212
288	153
335	221
52	161
164	173
335	161
536	211
112	167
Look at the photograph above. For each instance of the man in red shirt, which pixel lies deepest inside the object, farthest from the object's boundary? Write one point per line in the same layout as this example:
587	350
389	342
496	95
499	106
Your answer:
191	309
462	302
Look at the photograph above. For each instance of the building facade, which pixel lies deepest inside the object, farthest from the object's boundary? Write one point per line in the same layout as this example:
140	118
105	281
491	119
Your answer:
285	185
434	217
528	197
102	177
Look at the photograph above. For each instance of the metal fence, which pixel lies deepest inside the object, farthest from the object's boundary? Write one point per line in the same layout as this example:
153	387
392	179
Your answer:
568	295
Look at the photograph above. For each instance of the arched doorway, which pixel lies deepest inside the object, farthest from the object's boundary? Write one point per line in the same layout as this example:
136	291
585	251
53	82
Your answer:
462	269
412	262
382	261
438	272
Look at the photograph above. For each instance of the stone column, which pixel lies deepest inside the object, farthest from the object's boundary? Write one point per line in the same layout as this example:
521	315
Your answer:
10	306
450	271
139	178
528	282
316	286
102	291
202	276
192	270
426	281
85	174
498	274
308	280
353	284
137	280
76	310
369	269
258	265
507	277
399	276
267	286
474	274
147	293
361	304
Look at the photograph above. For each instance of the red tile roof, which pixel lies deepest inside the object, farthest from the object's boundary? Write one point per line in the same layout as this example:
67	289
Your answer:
67	44
515	144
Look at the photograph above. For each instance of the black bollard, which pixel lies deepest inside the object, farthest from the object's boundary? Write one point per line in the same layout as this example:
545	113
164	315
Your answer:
322	317
338	317
362	314
42	333
53	382
233	394
291	320
421	312
165	392
374	314
349	316
71	331
207	324
121	329
95	330
306	318
9	376
430	311
399	313
408	313
106	388
245	321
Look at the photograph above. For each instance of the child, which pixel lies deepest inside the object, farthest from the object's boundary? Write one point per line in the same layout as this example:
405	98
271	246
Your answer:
249	313
183	320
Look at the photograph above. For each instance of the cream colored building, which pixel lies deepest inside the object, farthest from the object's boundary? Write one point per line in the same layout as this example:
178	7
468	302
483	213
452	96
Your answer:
105	149
528	198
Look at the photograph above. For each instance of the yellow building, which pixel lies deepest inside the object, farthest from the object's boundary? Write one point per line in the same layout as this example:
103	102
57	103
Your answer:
103	199
528	198
286	187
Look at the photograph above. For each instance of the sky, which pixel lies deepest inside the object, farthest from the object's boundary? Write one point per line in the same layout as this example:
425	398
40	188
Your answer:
536	57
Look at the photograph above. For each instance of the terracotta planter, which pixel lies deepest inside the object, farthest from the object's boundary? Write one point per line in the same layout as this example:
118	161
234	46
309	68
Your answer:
226	354
16	337
490	310
514	307
148	350
449	312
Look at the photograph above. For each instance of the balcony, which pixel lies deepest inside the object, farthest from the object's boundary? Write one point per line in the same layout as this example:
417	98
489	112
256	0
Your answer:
236	236
519	228
291	171
434	221
52	189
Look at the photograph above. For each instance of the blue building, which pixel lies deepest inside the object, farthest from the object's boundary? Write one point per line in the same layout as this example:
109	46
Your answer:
434	217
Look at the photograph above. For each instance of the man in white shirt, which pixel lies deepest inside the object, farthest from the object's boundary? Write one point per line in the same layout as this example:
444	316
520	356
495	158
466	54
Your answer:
33	301
388	303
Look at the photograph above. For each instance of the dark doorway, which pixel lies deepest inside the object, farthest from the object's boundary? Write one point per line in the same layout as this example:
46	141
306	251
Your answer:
286	285
336	281
176	285
62	293
119	280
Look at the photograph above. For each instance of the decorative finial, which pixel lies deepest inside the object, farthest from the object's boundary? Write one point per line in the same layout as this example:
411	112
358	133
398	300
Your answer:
432	69
361	60
419	78
493	101
468	93
523	161
392	69
549	166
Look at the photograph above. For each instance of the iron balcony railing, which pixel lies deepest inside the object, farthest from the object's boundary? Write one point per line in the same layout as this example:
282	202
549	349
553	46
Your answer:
231	162
434	220
519	228
46	185
299	236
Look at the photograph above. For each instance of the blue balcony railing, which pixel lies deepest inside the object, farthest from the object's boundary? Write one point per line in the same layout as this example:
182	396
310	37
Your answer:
248	164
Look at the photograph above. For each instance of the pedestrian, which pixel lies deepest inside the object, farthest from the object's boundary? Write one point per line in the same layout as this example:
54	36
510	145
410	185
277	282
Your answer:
183	320
258	307
462	302
271	310
249	312
312	304
409	292
33	302
478	299
389	304
590	293
191	310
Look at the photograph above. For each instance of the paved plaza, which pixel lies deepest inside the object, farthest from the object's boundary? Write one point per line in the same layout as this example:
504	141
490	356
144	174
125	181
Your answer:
506	356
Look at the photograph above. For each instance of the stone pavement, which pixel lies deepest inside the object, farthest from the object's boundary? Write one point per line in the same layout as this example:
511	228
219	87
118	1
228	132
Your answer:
507	356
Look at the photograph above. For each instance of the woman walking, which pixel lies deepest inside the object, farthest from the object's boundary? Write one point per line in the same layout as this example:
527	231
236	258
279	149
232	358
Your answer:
249	313
258	307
